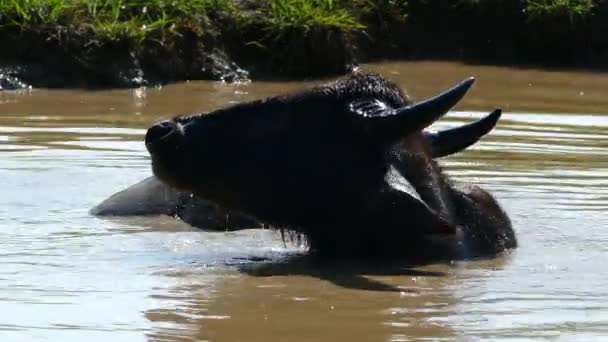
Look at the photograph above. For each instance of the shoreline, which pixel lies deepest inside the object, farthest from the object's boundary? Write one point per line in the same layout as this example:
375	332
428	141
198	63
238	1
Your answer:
231	40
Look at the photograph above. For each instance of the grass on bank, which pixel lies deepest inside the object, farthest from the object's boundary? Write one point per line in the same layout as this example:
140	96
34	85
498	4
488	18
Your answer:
297	36
139	21
573	9
130	20
143	20
304	15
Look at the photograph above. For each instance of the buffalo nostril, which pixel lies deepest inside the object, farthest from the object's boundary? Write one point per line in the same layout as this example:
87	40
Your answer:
159	131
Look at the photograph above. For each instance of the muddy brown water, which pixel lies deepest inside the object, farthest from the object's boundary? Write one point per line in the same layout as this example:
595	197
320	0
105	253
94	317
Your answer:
68	276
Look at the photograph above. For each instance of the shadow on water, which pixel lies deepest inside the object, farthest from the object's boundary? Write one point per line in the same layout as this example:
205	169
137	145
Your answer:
357	274
299	297
347	274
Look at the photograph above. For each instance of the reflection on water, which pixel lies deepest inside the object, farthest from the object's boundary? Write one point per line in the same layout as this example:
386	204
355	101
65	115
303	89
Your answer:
67	276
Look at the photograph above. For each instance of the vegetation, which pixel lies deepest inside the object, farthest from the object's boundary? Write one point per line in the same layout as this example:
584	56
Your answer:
159	20
573	9
307	37
135	21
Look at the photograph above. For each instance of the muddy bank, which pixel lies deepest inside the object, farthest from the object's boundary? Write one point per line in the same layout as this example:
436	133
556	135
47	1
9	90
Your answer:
239	40
78	59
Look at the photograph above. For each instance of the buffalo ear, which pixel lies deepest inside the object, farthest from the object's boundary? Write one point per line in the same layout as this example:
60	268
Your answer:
450	141
378	119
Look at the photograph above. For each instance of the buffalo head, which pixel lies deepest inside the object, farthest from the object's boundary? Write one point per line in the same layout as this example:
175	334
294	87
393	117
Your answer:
346	164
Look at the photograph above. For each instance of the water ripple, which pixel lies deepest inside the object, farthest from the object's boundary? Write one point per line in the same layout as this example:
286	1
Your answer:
65	271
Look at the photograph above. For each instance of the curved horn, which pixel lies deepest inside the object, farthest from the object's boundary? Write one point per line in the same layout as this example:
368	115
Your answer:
423	114
388	122
450	141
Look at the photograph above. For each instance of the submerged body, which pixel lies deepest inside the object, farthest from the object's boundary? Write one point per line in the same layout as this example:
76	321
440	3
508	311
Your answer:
347	165
153	197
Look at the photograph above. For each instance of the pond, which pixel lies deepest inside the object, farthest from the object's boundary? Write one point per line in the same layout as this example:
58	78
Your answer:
69	276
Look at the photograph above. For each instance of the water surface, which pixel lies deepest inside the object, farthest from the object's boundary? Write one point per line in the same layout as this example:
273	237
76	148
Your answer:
68	276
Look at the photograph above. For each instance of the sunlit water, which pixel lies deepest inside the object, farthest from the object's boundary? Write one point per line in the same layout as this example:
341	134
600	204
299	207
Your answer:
68	276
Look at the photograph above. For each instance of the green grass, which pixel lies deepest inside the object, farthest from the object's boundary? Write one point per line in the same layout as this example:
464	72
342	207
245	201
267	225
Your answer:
158	20
312	32
538	9
131	20
140	21
282	16
572	9
26	13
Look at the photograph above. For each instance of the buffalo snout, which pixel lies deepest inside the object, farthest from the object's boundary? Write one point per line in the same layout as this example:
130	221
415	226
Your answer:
159	134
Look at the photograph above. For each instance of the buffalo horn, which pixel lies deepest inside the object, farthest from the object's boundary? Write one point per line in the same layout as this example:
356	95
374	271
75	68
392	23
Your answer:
395	123
450	141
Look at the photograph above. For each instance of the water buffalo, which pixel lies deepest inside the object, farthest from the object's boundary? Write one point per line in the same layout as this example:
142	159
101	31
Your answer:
347	165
